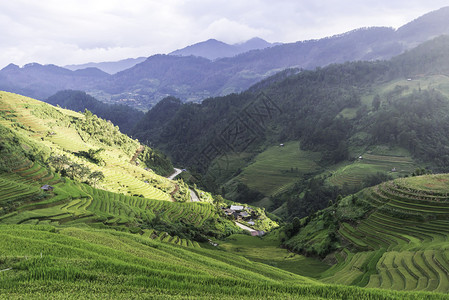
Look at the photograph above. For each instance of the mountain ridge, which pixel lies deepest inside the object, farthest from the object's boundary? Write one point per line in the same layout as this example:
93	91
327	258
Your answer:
213	49
148	82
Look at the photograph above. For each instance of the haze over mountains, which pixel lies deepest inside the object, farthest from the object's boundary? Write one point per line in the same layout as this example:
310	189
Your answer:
213	49
146	83
110	67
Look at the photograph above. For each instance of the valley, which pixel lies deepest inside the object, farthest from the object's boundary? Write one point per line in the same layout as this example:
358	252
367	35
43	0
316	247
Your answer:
255	170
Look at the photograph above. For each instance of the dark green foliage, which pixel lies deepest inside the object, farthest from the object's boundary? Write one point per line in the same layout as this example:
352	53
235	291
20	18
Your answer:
305	200
152	122
417	122
317	236
322	109
75	171
372	180
92	155
95	177
247	195
122	116
157	161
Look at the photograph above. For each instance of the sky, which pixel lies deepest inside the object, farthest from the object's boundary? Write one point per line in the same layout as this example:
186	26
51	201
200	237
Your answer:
80	31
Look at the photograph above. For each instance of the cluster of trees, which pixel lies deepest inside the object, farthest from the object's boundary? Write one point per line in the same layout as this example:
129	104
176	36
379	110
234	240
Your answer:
92	155
63	165
416	121
156	161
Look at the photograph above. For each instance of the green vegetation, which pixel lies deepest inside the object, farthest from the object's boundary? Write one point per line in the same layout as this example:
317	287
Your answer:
267	250
279	167
156	161
105	164
67	263
391	236
76	240
370	164
84	208
77	145
335	113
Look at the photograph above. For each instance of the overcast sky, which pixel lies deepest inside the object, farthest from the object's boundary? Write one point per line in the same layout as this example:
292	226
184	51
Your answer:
80	31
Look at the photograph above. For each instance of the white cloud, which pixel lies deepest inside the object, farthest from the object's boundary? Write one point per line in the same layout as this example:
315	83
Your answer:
79	31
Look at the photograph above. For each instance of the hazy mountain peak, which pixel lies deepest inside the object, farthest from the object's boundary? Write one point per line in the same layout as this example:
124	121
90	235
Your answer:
10	67
213	49
425	27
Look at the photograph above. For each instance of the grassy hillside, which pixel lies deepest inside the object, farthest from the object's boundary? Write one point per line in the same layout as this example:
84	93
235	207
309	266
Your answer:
391	236
41	144
123	240
393	162
279	167
68	263
60	132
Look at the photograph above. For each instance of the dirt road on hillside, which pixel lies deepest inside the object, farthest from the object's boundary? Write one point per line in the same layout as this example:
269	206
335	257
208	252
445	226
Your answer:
176	173
245	227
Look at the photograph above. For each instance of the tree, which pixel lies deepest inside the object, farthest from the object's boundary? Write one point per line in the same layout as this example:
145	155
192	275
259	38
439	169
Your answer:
95	177
59	162
296	223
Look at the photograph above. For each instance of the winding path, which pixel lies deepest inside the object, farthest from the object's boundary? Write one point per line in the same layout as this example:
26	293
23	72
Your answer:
176	173
244	227
193	195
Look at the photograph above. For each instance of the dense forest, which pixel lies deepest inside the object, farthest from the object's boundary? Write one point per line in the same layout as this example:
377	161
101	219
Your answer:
338	111
308	107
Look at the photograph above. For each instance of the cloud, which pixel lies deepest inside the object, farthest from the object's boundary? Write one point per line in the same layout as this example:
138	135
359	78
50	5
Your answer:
79	31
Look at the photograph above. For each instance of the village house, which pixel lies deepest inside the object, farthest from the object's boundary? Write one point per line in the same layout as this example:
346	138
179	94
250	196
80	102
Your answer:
243	214
228	211
236	207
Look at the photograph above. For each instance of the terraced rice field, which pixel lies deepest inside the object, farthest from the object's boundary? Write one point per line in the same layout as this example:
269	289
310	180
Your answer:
63	139
165	237
72	203
370	164
408	229
277	168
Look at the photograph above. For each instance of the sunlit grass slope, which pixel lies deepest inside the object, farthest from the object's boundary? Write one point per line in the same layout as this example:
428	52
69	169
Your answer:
402	240
72	263
57	131
394	163
279	167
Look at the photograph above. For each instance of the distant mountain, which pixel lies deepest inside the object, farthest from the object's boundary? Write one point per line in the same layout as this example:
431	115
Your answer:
213	49
123	116
337	112
195	78
424	28
41	81
110	67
